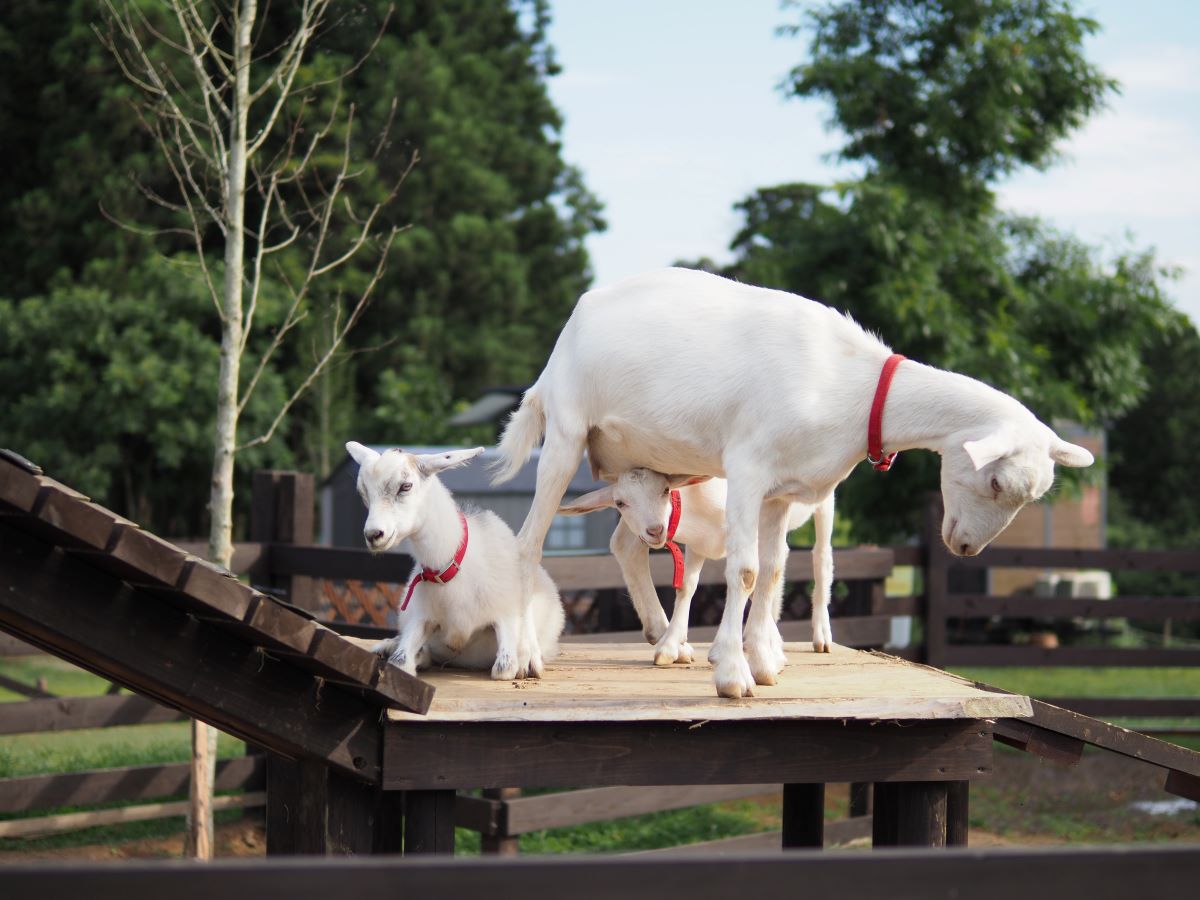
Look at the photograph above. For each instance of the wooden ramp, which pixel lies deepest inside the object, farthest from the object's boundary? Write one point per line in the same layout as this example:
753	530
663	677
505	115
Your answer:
89	586
618	683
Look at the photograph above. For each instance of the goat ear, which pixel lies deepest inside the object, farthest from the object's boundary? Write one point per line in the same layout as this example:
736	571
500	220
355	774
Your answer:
989	449
360	454
598	499
678	481
432	463
1070	454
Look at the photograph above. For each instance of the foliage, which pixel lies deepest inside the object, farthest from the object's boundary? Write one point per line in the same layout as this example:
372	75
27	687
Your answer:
939	100
947	97
112	394
474	294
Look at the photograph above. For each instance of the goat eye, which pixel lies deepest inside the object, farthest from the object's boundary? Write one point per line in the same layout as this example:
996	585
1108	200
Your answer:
996	485
620	504
405	488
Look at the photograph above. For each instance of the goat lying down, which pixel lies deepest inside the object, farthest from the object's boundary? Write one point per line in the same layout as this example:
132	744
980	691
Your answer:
475	614
643	500
773	392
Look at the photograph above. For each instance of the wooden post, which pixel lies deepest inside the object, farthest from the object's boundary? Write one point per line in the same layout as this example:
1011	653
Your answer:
281	512
936	577
910	814
860	798
803	815
429	822
502	844
957	813
314	810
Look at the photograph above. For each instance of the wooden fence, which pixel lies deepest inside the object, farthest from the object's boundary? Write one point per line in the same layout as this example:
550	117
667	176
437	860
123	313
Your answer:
357	588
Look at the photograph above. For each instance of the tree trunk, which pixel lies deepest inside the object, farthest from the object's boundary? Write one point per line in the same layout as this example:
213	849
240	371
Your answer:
220	539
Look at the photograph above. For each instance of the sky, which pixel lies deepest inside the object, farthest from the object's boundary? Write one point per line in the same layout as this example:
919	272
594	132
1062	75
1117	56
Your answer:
673	113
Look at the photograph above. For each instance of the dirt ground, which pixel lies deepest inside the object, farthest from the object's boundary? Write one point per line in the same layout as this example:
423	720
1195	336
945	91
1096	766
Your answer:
1027	801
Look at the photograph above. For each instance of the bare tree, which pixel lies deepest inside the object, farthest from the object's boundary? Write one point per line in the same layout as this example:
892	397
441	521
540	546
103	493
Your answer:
203	84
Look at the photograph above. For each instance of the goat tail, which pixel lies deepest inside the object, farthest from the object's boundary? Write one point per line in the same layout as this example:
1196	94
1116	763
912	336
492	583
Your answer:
523	432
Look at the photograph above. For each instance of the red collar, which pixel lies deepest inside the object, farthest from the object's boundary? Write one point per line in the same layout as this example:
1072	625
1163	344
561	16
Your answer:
672	527
875	454
447	574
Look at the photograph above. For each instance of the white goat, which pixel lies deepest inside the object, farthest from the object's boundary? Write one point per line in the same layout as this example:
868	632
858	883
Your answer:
700	374
478	617
643	499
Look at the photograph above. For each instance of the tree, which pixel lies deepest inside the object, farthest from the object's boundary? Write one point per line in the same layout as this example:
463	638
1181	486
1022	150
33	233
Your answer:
229	114
948	97
938	100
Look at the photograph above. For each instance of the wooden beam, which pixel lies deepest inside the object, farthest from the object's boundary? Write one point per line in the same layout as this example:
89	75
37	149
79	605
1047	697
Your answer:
803	816
124	784
72	713
56	824
1097	873
537	754
910	814
314	810
151	647
429	822
25	690
995	655
1083	558
1051	745
981	605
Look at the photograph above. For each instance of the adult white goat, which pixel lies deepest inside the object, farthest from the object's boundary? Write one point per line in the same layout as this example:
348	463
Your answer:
643	500
699	374
469	607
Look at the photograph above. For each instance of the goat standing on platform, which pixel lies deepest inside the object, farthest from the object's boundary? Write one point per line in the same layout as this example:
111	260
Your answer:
466	604
645	503
783	397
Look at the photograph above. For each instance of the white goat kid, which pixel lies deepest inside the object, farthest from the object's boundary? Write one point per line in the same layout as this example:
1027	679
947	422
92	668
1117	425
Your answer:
773	392
643	499
481	616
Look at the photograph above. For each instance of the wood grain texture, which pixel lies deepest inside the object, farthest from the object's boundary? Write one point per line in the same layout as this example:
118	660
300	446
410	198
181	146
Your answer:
618	682
567	754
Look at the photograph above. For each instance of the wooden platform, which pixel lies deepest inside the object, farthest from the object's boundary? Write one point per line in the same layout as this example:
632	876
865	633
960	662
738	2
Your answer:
618	683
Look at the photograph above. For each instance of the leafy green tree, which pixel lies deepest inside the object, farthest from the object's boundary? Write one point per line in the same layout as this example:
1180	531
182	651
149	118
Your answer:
938	100
948	95
493	260
112	394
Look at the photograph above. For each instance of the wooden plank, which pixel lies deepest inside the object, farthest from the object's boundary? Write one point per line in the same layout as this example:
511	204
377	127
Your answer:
576	572
535	754
1097	873
1083	558
1183	785
57	601
214	591
70	713
486	815
1117	739
31	691
314	810
980	605
1051	745
142	558
124	784
72	520
19	488
429	822
989	655
570	808
43	825
1105	707
803	816
618	682
246	554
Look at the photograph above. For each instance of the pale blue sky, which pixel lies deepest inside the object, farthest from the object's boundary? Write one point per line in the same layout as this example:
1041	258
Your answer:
673	114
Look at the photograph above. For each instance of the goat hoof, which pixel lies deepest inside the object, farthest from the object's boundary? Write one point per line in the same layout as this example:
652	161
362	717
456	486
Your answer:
664	658
505	669
686	653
